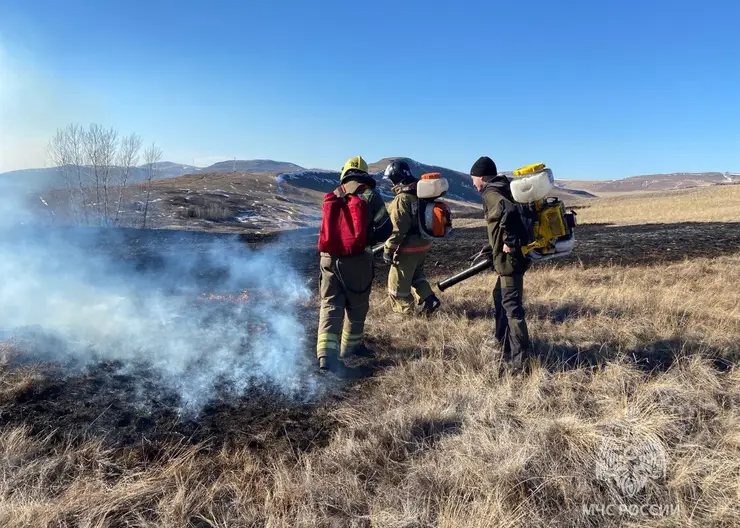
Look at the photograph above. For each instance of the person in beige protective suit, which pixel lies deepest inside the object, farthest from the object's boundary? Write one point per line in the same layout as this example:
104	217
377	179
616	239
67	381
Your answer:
406	249
346	281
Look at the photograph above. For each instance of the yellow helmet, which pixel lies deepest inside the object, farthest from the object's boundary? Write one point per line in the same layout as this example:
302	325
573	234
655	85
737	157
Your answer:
356	163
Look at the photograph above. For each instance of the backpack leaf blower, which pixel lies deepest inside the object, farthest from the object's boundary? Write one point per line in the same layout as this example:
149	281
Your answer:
551	229
466	274
435	218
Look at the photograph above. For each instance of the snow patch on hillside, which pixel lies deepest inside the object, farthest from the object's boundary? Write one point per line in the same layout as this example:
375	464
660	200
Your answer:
319	176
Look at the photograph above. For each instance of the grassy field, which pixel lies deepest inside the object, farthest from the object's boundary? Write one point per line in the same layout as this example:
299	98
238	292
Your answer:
717	203
443	436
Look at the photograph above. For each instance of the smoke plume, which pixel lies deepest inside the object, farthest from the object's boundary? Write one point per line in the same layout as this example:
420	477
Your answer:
96	295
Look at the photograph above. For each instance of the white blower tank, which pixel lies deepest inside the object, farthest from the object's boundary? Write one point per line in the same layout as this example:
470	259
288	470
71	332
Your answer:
532	186
432	185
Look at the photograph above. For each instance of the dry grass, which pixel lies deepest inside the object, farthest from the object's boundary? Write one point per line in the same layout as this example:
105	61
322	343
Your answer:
705	204
11	385
447	438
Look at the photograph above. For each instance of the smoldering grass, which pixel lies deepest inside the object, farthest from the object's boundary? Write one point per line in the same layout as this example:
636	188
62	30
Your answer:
85	308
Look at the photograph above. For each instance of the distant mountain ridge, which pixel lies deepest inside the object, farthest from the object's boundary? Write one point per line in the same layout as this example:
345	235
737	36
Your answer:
255	165
460	185
326	180
39	179
655	182
53	177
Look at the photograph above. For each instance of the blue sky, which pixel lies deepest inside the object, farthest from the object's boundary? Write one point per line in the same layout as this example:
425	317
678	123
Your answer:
596	89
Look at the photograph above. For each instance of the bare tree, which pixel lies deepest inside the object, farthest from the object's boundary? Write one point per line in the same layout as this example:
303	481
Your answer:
75	136
60	153
152	156
100	147
91	145
128	158
97	167
108	152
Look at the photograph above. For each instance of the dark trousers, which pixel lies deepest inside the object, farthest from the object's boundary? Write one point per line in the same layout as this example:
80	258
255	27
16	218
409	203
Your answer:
510	327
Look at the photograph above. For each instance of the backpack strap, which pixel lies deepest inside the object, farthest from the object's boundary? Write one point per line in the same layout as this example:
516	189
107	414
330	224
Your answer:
342	193
409	188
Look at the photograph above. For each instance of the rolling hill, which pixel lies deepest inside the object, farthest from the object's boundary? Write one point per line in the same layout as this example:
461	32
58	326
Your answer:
653	182
255	165
234	196
39	179
227	201
35	180
461	188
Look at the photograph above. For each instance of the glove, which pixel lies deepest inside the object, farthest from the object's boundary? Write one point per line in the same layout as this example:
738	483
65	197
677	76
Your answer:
431	303
512	242
485	252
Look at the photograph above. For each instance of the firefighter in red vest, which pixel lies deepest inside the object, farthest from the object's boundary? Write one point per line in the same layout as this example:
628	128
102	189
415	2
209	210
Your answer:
346	281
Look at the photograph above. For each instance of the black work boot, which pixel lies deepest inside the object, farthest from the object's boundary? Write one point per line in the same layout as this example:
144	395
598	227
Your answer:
330	364
431	304
324	364
360	350
364	351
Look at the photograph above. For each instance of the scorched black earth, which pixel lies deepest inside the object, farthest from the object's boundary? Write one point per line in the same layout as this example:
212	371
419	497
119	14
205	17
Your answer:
126	406
129	404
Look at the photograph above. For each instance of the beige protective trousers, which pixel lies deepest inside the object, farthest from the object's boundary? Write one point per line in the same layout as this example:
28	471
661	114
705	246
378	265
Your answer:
345	300
406	278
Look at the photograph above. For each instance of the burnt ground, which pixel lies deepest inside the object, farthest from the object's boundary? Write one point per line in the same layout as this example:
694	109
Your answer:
608	244
101	403
128	407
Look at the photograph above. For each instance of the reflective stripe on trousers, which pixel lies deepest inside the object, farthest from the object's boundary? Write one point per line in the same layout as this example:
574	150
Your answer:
349	340
327	344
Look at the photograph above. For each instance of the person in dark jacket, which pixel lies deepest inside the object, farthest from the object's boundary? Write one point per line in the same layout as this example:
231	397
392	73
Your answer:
507	234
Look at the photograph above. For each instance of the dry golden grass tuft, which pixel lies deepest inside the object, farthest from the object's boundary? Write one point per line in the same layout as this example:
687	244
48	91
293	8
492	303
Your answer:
717	203
446	437
21	378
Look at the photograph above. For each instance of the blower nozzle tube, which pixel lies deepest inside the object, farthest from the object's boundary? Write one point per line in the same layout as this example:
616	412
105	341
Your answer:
466	274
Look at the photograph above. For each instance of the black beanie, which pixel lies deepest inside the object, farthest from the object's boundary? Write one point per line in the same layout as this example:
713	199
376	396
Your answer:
484	167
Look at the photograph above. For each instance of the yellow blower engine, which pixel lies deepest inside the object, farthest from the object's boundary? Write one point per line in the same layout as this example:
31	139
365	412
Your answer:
550	226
